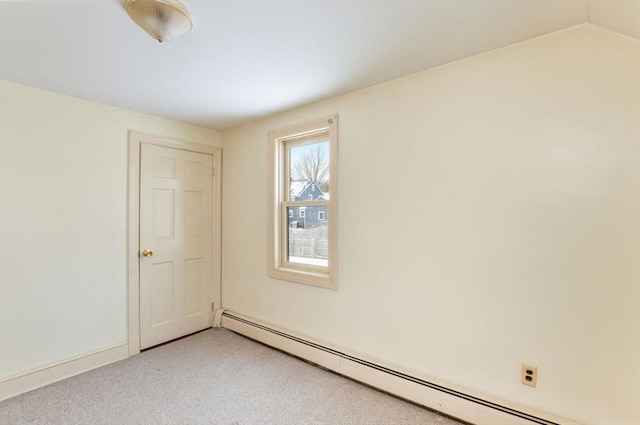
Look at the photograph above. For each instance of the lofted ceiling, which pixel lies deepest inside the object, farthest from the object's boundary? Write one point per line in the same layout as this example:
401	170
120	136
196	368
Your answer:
249	59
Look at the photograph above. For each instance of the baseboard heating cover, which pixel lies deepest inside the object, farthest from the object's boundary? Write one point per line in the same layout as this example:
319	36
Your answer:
456	403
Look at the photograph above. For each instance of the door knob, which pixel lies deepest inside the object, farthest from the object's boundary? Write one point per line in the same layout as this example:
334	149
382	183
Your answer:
147	253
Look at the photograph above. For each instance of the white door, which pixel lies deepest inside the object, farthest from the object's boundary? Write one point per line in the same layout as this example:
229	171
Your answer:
176	213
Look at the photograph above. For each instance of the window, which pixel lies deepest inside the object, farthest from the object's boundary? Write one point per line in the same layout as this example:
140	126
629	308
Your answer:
303	155
290	213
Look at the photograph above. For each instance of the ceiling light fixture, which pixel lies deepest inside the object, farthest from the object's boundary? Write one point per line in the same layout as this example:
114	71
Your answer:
161	19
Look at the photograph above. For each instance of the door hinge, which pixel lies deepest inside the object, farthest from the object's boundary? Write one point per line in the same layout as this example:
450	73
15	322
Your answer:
213	307
213	171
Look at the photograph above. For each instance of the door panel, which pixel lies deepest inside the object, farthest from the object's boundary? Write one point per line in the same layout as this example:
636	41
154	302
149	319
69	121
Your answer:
162	213
193	286
176	212
193	214
162	293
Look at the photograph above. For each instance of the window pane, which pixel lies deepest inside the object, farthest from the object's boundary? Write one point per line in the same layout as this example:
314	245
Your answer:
309	171
307	236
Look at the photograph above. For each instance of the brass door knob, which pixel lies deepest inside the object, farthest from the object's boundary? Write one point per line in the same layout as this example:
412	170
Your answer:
147	253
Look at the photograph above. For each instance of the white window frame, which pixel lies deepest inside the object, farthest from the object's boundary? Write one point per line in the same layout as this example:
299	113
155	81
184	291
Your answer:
280	141
321	214
302	212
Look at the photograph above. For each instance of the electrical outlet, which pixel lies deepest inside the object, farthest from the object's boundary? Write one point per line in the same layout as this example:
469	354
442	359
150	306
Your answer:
529	375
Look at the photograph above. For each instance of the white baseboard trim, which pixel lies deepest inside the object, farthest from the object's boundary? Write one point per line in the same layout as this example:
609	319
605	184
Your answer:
457	403
35	378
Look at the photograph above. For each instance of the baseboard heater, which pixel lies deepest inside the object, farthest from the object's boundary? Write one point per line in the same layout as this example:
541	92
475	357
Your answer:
452	402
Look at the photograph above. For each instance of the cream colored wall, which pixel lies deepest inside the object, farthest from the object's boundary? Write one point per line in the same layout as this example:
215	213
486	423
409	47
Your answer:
489	216
63	230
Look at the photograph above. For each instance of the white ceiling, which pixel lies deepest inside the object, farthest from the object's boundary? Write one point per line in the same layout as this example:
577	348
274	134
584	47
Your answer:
248	59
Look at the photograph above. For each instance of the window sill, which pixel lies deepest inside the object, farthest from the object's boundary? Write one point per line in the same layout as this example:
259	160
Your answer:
320	280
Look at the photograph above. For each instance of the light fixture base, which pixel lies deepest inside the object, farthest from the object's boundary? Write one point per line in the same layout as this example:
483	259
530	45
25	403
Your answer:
163	20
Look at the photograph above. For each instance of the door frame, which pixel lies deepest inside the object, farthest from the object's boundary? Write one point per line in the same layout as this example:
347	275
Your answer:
136	139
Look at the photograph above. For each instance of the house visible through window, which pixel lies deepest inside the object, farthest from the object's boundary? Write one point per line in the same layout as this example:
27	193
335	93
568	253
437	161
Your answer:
303	183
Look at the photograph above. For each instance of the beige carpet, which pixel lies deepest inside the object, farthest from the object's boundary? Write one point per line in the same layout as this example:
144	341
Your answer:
213	377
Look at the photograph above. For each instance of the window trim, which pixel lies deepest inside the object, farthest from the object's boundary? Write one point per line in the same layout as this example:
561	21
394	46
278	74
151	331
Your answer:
279	199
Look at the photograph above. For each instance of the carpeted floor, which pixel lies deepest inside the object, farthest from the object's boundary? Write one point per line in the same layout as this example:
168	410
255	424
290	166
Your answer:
213	377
